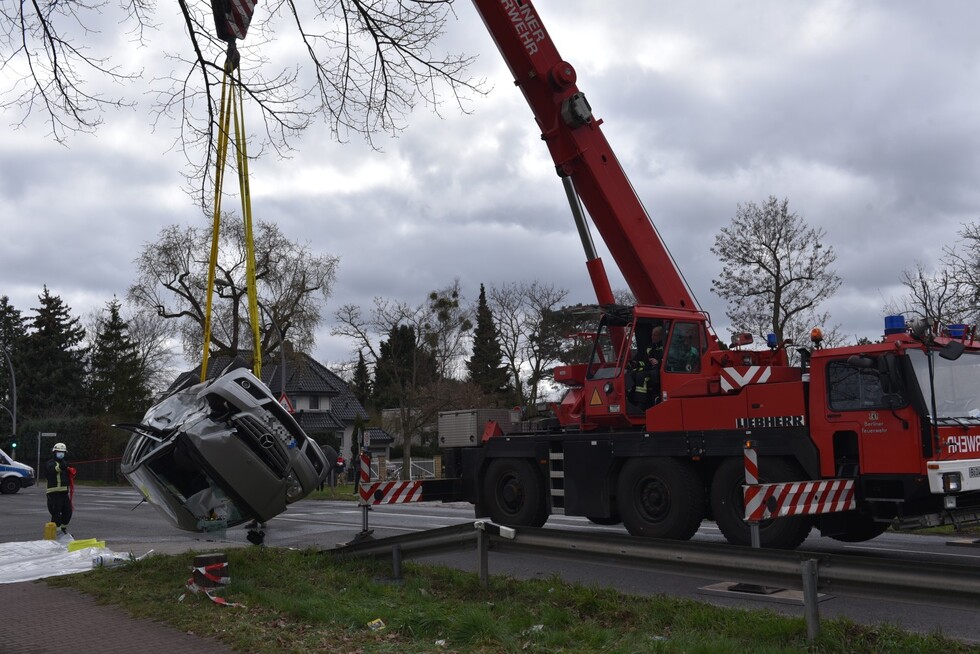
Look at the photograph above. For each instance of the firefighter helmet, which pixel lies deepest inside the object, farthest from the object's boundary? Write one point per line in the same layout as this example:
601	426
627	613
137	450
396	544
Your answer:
59	447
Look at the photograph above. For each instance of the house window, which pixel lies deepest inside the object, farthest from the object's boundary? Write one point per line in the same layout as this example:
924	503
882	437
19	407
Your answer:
314	402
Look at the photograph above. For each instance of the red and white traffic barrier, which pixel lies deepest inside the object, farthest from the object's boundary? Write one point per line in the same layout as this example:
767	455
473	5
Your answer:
391	492
386	492
779	500
764	501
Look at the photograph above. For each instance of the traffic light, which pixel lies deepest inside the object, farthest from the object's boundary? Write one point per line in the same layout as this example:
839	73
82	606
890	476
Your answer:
13	446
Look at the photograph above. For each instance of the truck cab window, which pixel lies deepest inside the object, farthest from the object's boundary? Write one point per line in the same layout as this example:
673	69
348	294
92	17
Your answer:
856	389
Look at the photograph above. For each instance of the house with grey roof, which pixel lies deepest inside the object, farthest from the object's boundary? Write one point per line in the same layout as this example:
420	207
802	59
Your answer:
320	401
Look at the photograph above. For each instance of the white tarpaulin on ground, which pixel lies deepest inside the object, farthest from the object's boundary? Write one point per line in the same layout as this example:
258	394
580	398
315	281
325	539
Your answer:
38	559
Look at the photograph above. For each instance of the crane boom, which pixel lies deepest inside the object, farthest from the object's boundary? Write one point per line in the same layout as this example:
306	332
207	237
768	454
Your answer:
580	151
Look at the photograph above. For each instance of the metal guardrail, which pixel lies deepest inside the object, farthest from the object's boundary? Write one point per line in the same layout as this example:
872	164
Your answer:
942	584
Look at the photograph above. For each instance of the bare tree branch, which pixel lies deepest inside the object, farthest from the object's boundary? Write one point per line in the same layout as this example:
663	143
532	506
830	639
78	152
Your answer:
363	66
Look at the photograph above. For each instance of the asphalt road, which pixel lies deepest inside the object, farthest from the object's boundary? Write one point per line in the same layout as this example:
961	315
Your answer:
116	516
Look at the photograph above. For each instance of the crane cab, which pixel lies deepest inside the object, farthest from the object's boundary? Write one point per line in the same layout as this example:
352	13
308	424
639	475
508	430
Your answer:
639	357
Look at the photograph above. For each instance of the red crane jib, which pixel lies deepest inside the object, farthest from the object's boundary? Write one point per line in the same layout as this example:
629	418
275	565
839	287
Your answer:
580	150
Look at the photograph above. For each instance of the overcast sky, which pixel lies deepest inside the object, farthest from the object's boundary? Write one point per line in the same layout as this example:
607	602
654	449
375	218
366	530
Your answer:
865	115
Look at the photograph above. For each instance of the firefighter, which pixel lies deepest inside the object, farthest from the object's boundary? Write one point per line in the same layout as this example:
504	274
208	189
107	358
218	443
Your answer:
60	478
646	365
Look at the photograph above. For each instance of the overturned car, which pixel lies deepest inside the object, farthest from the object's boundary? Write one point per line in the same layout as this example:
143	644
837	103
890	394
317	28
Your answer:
221	453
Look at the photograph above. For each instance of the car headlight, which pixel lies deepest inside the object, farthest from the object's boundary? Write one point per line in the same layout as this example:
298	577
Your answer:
294	489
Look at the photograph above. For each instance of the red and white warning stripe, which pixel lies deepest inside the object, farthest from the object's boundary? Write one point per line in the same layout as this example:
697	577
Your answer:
764	501
732	379
240	16
386	492
365	468
391	492
751	466
216	572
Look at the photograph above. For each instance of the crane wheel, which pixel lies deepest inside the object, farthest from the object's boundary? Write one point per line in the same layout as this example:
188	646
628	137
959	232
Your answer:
514	493
661	498
728	506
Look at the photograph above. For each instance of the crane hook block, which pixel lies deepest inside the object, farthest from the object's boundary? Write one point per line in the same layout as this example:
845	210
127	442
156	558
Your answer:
231	18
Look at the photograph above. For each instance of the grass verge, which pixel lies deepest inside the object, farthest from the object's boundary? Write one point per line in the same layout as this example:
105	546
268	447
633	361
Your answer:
308	601
346	492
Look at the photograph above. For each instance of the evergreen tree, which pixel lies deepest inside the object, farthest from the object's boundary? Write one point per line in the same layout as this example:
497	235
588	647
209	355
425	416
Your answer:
54	362
403	365
12	335
486	367
361	385
12	328
117	386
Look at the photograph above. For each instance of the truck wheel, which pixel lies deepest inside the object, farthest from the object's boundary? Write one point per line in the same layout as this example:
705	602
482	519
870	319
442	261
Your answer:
728	505
9	485
660	498
859	528
514	493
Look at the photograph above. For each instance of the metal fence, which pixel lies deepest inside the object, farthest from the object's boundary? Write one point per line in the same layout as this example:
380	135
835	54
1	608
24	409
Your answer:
421	469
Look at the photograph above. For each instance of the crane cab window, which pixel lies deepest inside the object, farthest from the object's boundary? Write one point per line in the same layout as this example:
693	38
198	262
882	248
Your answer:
686	346
602	364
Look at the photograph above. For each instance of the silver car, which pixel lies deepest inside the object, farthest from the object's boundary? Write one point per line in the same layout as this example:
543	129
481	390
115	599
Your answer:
221	453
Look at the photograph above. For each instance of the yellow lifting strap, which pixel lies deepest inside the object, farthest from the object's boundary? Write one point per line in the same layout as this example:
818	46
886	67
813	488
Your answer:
232	108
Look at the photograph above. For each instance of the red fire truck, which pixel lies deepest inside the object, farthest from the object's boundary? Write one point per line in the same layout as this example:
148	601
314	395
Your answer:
899	419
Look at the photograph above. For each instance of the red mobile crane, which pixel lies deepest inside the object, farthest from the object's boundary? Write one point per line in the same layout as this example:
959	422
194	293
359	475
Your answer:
898	418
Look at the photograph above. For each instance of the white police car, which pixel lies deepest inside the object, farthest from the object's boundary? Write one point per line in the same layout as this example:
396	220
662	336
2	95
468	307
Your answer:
14	475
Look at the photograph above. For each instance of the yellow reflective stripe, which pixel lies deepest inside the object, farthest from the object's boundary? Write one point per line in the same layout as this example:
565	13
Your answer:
59	487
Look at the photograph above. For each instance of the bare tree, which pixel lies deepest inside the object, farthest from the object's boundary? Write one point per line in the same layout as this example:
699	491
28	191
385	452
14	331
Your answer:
413	349
447	330
155	342
43	50
292	282
963	265
362	66
933	295
521	311
776	272
404	377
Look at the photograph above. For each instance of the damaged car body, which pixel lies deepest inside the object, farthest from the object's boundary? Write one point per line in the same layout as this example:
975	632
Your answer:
221	453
